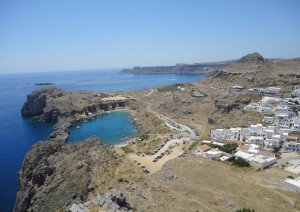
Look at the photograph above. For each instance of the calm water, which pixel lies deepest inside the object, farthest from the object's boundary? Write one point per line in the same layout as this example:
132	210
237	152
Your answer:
111	128
18	134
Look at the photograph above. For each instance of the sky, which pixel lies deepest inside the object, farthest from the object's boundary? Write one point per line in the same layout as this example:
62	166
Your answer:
52	35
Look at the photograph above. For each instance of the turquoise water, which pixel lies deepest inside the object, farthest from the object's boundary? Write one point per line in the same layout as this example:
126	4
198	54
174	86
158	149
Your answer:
111	128
18	134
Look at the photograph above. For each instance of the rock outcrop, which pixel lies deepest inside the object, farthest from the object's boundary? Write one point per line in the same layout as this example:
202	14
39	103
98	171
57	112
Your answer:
113	200
36	101
57	174
251	58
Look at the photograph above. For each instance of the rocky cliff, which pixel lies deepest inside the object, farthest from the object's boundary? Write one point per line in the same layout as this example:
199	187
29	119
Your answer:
54	175
197	68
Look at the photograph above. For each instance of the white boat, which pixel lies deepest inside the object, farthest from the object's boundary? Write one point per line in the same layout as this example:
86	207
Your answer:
78	127
85	121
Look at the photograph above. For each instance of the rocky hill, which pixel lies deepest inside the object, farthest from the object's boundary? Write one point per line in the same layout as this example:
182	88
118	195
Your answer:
56	174
197	68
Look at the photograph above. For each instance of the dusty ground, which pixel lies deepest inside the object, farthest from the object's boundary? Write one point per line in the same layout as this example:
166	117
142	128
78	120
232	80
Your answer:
197	183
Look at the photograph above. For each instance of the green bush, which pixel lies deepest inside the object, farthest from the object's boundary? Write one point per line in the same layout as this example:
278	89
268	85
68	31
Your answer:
229	148
127	149
240	162
291	177
168	89
193	145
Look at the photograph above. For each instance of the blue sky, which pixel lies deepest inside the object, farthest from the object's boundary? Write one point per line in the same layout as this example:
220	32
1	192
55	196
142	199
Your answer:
48	35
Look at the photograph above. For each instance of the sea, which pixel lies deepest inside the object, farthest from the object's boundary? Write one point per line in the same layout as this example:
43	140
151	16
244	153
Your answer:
18	134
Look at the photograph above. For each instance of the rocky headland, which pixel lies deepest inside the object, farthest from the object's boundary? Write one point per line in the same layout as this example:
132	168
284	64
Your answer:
56	175
196	68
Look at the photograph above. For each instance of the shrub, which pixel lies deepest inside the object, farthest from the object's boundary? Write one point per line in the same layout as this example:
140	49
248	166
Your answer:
127	149
168	89
229	147
240	162
193	145
245	210
276	150
291	177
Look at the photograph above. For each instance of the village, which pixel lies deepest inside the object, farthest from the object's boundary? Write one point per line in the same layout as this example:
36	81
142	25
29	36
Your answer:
274	141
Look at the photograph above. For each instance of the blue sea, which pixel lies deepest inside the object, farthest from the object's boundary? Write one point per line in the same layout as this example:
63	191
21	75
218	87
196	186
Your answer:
18	134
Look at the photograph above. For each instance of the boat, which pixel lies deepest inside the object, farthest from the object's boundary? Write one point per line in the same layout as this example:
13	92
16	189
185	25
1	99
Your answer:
78	127
85	121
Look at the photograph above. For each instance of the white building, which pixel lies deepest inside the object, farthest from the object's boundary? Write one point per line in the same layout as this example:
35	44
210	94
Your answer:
281	120
265	110
256	130
296	124
234	133
268	101
246	156
252	107
268	119
258	140
219	134
214	154
296	93
262	161
273	142
291	146
292	184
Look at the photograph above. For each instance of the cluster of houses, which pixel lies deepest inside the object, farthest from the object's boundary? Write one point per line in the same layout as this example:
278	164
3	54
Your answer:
250	152
281	118
255	91
205	150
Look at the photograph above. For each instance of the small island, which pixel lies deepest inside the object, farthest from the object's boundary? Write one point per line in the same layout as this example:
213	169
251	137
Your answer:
44	83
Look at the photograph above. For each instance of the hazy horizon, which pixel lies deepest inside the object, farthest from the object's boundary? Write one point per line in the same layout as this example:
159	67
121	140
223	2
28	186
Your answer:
46	36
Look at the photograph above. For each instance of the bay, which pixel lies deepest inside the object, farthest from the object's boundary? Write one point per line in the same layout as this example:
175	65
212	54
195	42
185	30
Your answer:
18	134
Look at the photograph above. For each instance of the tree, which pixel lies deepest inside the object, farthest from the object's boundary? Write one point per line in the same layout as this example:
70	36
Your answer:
291	177
276	150
240	162
229	147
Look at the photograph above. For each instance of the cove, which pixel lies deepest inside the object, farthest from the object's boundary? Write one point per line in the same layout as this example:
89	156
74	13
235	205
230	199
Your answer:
111	128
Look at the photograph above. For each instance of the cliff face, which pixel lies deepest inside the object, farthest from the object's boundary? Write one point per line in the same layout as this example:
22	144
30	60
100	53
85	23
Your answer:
198	68
57	174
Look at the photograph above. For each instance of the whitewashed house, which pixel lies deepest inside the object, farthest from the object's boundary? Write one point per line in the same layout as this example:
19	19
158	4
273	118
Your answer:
219	134
214	154
273	142
296	124
282	120
292	184
295	93
269	133
234	133
256	130
262	161
268	119
272	90
258	140
265	110
252	107
291	146
268	101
